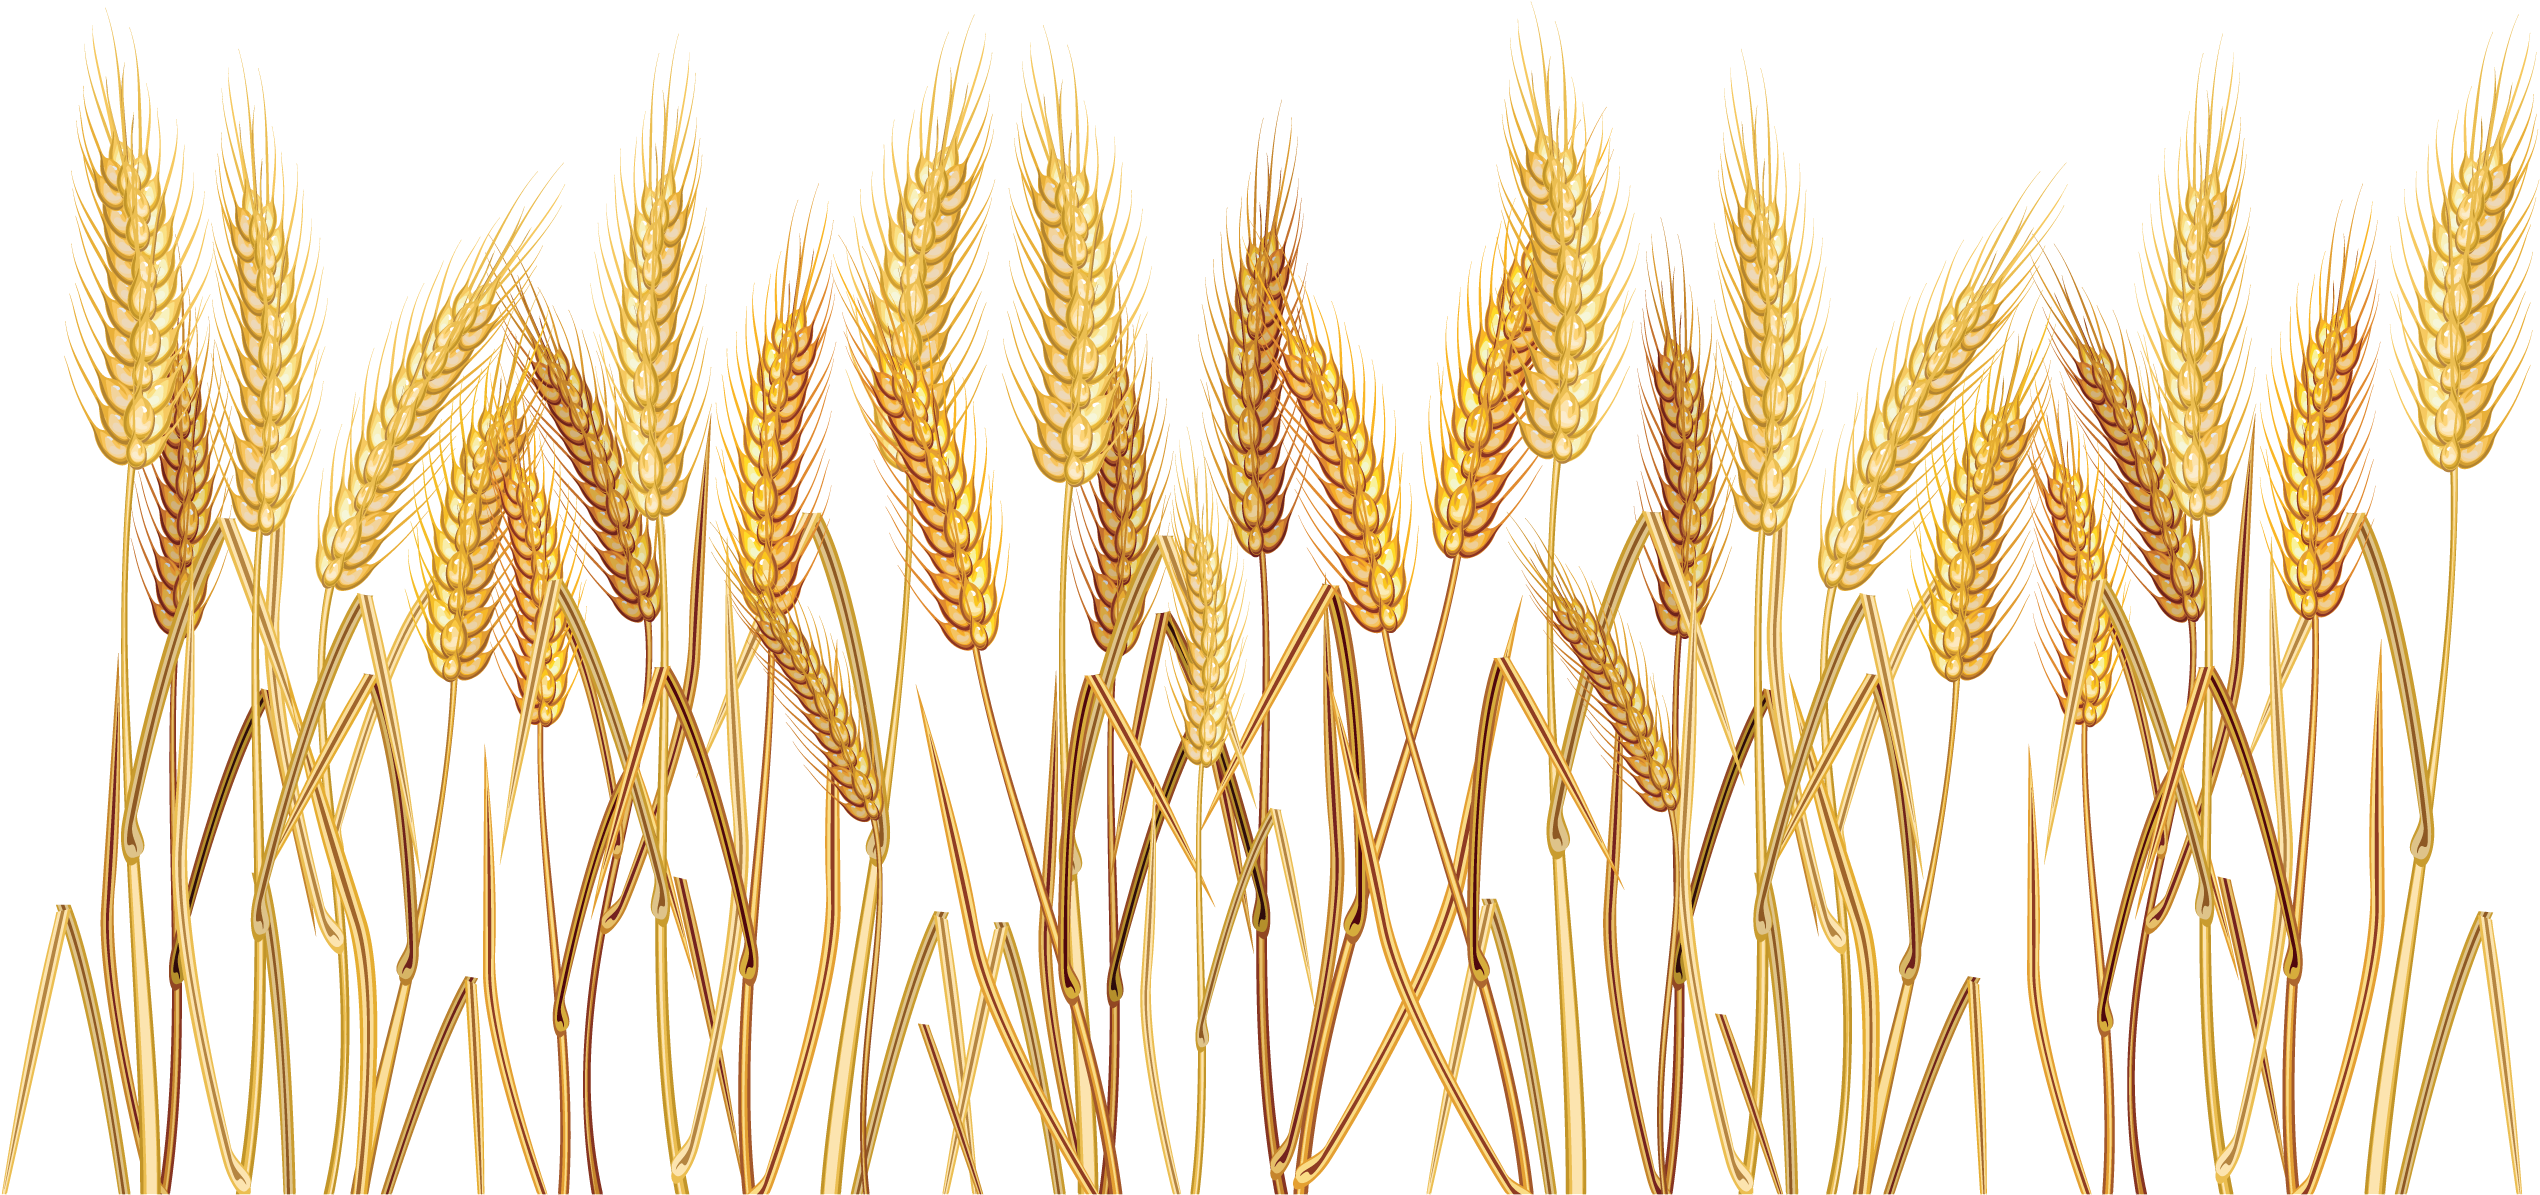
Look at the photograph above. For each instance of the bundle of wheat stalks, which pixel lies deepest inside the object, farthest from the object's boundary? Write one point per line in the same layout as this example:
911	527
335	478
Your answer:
2018	447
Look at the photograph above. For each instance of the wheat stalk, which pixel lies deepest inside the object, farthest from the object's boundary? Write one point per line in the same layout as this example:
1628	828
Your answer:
1355	461
538	568
1248	317
2468	237
1771	283
2322	391
185	489
467	538
2194	277
1956	318
135	299
1684	462
1559	170
272	289
820	705
1606	668
651	277
1074	303
1970	530
2069	500
1488	363
596	456
441	336
1124	509
1204	589
2164	541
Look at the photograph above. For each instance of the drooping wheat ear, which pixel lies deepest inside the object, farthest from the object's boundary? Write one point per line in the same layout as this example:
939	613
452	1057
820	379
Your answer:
1970	530
183	482
2079	533
439	336
1356	464
911	292
1771	284
1684	459
538	566
1956	319
651	266
1487	366
1073	306
591	445
272	286
2164	541
820	705
467	538
777	387
1124	509
1570	225
2194	278
1606	666
2323	390
1249	318
1204	590
135	300
2468	235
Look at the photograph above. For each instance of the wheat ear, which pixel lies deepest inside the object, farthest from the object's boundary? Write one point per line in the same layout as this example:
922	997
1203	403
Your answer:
2078	533
1248	322
1948	329
1073	302
184	487
651	281
2323	388
1563	193
1487	367
1684	464
829	731
1124	509
2468	238
597	459
777	387
2194	278
272	286
1606	668
1355	462
440	336
911	293
538	568
2166	544
135	300
1204	589
467	538
1771	284
1971	528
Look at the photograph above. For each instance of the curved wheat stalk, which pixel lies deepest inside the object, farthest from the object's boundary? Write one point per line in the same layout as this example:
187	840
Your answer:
1771	284
538	567
810	673
1075	302
136	302
2194	276
2078	530
1970	530
1956	318
467	539
1684	465
185	489
2322	390
1204	589
272	287
1489	362
1248	322
1568	218
2467	237
1355	461
1606	668
650	279
1124	509
597	458
2164	541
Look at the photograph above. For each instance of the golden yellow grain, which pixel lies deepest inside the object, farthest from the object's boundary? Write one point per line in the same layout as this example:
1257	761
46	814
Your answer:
593	449
651	266
2468	235
1562	191
2322	395
538	566
1487	364
776	404
133	296
1355	460
1970	530
1771	285
2195	274
2164	541
1124	509
183	486
910	296
272	290
467	538
820	707
1074	305
1248	319
1684	464
1607	669
1204	589
2078	531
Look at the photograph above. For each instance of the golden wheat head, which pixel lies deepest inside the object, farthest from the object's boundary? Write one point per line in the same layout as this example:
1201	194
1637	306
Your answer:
2093	358
1606	668
909	301
1356	464
1971	527
184	486
1487	367
134	297
1684	459
1559	170
775	415
1204	590
467	538
596	457
1074	304
539	567
1124	509
2468	239
272	289
2322	395
1248	330
1771	284
2078	533
651	284
828	726
2194	279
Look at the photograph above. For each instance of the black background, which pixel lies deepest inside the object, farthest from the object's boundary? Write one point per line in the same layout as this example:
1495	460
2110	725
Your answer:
1911	138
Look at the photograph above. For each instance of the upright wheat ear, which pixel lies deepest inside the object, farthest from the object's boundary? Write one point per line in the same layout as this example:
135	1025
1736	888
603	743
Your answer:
185	492
467	539
1248	323
776	393
2323	394
1970	529
1356	463
1124	509
538	567
2468	235
1562	191
441	335
2195	274
2079	532
1958	316
2164	540
1076	304
1487	368
910	296
1605	666
272	289
1204	590
595	452
651	265
135	299
820	705
1684	465
1771	285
